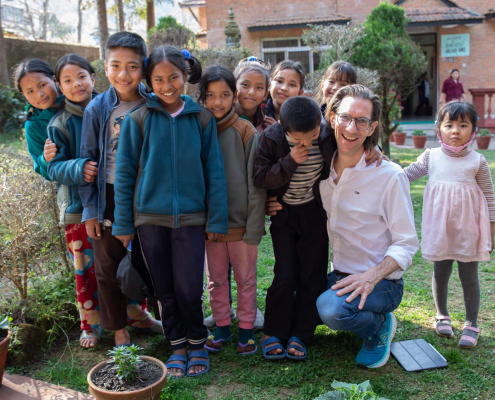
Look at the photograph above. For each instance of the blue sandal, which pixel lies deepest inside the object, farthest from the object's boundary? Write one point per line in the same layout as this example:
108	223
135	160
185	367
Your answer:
171	364
202	354
299	348
265	351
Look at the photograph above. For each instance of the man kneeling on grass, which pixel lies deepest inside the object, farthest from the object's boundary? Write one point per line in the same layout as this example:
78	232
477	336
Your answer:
370	226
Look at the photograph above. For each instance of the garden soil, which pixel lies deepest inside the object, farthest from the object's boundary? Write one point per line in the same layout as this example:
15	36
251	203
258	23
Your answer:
106	378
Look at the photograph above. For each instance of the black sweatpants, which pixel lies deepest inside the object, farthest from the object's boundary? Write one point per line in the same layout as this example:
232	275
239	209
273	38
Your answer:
176	259
301	262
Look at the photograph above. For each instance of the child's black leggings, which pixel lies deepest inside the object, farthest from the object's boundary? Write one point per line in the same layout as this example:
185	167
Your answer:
468	274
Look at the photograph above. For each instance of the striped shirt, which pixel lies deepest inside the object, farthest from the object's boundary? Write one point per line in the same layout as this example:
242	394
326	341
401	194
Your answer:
483	177
300	189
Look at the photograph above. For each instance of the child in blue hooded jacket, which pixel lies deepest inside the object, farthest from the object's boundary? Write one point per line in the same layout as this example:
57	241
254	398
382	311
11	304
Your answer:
170	188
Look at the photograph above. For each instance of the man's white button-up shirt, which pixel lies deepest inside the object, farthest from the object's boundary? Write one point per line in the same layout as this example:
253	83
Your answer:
370	216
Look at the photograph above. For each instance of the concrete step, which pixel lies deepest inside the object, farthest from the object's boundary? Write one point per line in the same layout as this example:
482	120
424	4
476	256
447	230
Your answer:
17	387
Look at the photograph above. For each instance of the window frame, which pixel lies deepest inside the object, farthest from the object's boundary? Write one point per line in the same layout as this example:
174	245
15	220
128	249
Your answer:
286	50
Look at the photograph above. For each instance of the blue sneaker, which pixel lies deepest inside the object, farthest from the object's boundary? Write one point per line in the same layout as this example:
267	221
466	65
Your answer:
376	349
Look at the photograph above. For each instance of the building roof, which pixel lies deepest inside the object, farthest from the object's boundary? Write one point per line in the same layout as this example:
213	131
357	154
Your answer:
267	24
192	3
428	16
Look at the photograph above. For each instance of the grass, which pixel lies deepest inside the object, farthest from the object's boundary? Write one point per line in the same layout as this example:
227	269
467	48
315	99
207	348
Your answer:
470	375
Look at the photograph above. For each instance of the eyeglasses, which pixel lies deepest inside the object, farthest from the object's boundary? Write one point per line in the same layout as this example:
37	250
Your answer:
362	123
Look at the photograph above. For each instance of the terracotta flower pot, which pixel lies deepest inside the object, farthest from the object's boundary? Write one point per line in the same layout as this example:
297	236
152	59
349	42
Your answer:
4	348
392	140
419	141
150	393
400	138
483	142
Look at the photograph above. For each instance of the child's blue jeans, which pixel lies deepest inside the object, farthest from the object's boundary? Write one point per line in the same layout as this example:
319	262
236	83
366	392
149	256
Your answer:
339	315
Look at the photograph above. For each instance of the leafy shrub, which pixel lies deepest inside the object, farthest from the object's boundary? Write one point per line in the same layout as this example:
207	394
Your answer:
389	49
484	132
334	43
349	391
228	57
126	362
169	31
101	83
30	235
419	132
12	110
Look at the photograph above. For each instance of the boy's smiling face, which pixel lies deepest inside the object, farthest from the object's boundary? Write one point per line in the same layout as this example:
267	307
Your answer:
124	69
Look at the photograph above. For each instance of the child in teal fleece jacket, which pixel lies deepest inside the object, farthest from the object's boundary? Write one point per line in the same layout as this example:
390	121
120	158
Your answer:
76	78
35	79
170	187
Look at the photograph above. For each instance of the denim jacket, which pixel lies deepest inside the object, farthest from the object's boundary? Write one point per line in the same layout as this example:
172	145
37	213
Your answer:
93	143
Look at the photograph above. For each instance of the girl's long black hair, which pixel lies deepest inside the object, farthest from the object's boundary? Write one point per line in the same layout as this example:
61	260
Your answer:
252	64
74	59
27	66
213	74
181	59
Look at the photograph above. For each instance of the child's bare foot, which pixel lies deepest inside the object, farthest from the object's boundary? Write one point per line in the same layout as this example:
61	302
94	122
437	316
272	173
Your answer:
198	368
122	337
295	352
273	352
145	324
90	338
177	372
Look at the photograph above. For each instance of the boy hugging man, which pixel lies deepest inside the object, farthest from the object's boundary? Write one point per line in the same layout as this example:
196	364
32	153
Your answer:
289	161
125	53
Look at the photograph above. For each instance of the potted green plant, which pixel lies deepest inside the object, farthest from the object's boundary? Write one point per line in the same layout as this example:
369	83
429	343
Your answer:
349	391
127	376
399	137
483	139
5	335
419	138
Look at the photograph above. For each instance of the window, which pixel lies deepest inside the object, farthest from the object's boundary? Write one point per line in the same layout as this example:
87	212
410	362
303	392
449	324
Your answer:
276	50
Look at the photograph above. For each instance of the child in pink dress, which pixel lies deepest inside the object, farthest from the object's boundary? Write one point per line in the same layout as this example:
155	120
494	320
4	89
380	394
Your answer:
458	214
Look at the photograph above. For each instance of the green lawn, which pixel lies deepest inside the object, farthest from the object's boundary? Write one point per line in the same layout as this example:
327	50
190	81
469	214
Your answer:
470	375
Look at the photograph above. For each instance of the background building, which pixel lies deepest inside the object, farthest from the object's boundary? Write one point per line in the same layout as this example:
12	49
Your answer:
453	34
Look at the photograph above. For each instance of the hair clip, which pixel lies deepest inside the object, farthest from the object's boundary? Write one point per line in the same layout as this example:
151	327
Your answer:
186	53
146	62
252	58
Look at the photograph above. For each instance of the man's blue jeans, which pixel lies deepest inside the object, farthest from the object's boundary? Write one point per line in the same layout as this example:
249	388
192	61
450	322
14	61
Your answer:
339	315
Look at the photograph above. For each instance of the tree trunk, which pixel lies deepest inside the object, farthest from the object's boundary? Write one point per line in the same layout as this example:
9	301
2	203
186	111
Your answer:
102	23
44	20
79	20
150	15
120	15
4	72
30	18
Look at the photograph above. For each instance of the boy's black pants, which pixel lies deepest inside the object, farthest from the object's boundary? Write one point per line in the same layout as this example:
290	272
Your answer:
176	260
301	262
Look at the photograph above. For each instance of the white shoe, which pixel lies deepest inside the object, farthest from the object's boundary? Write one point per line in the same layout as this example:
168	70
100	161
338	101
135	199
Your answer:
259	321
210	323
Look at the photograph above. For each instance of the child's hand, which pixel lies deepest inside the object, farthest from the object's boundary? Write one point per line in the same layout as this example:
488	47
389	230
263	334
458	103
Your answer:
213	237
492	233
373	155
268	121
93	228
90	170
49	151
272	206
125	239
299	153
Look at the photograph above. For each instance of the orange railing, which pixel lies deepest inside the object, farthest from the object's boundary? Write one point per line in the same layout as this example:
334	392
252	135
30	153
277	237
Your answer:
482	100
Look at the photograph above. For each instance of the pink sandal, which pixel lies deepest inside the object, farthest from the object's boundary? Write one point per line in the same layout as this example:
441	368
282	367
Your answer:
469	337
443	326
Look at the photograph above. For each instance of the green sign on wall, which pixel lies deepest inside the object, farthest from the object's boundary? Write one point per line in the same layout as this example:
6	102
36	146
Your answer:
455	45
